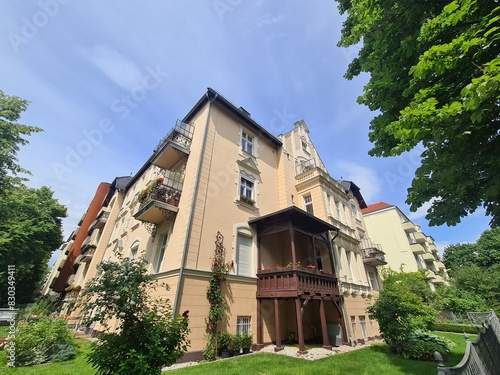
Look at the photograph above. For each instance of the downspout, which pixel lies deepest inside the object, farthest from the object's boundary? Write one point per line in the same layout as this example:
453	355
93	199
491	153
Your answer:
190	221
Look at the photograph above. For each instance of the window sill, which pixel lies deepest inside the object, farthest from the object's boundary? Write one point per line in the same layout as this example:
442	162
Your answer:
247	205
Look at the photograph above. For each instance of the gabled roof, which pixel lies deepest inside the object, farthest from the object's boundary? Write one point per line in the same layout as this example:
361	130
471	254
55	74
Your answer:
242	114
349	185
376	207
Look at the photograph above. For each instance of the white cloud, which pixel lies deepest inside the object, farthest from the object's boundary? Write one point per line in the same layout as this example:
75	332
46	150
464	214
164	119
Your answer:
421	212
364	177
114	65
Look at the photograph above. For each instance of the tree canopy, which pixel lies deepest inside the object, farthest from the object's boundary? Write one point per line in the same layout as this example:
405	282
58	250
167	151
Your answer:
435	81
475	273
12	136
30	219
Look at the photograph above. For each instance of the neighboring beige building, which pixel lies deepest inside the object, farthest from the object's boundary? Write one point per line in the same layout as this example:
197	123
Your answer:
405	245
219	171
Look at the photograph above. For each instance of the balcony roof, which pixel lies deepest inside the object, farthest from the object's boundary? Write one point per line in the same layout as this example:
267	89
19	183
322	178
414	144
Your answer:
299	219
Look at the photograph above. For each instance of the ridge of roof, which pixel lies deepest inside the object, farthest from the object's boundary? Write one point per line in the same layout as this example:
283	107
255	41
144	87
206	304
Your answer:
376	207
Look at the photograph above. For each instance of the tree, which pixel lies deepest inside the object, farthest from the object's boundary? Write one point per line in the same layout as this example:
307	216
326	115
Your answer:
484	253
30	230
460	255
11	138
400	308
30	219
148	336
488	246
435	80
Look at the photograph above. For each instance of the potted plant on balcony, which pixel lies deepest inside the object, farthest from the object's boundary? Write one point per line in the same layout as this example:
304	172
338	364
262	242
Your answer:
246	342
223	343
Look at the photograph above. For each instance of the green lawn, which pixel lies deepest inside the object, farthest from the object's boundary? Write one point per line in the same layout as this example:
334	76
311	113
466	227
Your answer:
78	365
4	331
375	360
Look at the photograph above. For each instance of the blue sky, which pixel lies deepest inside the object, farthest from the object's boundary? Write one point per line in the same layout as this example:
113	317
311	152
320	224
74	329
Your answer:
107	80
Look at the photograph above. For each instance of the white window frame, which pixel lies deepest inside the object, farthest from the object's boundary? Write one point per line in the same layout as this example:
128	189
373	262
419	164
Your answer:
308	203
362	324
160	253
247	142
243	324
353	325
245	189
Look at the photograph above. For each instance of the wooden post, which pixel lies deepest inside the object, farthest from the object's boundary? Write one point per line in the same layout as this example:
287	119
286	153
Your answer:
326	341
300	328
278	346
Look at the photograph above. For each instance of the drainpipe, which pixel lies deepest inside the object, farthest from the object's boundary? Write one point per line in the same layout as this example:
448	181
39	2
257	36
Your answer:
190	221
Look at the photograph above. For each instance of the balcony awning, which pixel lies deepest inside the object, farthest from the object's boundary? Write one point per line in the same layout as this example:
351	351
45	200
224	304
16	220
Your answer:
299	219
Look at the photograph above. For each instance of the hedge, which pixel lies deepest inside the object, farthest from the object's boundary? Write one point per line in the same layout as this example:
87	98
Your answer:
458	328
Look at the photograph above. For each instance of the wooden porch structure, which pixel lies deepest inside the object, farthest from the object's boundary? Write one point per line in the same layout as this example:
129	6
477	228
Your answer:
294	234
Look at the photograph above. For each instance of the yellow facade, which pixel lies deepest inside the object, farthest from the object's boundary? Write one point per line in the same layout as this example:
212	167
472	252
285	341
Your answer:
233	170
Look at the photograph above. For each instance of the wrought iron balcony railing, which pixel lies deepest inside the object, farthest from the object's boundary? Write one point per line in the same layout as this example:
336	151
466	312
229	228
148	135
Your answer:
372	254
289	282
174	145
160	199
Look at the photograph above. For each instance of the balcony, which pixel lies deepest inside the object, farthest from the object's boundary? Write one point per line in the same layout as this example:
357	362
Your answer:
420	237
100	221
87	257
174	146
290	283
440	265
372	253
428	257
374	257
438	279
159	201
90	242
409	227
417	248
433	248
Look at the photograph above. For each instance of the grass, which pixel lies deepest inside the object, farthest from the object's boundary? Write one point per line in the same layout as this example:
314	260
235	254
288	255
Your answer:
374	360
4	331
78	365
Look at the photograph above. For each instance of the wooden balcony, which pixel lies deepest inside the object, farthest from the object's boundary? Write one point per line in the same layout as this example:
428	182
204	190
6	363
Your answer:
174	146
292	283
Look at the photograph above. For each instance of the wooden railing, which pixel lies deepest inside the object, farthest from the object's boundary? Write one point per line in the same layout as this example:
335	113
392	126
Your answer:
289	282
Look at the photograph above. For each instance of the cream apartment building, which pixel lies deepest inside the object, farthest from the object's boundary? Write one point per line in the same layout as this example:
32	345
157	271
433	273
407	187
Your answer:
303	262
405	245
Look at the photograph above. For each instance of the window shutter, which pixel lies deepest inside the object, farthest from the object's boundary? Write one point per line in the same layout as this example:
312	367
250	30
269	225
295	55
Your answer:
244	255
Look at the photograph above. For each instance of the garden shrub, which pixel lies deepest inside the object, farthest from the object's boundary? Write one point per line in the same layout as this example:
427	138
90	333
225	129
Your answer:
38	340
457	328
422	345
148	336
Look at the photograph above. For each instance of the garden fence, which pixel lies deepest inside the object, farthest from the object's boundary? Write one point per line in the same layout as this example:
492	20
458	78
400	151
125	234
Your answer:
481	357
